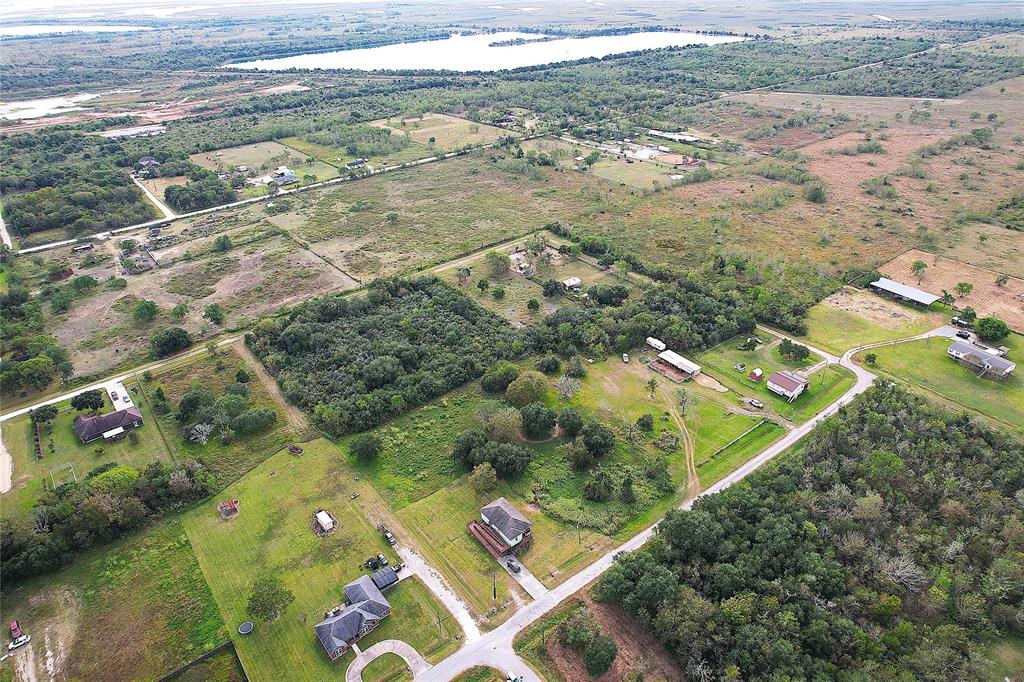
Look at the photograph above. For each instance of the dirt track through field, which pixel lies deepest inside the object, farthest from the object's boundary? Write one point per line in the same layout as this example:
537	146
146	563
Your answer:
692	478
295	416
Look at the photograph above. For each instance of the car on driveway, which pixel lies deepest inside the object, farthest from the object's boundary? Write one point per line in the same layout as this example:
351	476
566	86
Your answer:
625	357
513	565
756	403
382	559
964	334
19	642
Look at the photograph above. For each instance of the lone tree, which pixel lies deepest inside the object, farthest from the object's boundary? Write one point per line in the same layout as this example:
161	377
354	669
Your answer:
963	288
918	267
268	598
871	358
88	400
600	655
44	414
529	387
992	329
498	262
1002	280
652	386
366	447
483	479
222	243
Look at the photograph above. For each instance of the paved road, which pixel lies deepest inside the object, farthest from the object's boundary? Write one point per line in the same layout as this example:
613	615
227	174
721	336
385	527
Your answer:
168	213
418	566
527	581
417	664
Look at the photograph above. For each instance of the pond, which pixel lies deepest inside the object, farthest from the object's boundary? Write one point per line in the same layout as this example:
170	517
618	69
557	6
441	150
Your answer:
479	53
47	106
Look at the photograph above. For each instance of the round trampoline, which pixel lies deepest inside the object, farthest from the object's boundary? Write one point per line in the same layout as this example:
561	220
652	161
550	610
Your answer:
245	628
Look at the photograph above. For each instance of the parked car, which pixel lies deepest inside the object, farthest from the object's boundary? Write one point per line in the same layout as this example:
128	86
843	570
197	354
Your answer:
390	538
625	357
964	334
513	565
512	677
115	396
756	403
19	642
382	559
740	367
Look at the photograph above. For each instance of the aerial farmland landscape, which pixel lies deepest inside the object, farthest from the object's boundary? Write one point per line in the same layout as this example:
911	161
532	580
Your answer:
560	341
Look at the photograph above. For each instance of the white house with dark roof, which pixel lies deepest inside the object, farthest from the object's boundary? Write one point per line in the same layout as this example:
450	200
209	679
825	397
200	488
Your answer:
507	521
367	606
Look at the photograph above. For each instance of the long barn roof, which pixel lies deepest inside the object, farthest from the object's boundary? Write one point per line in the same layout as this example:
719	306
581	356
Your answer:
904	291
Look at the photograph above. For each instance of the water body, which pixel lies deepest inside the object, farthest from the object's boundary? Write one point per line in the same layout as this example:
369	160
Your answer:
47	106
474	53
22	30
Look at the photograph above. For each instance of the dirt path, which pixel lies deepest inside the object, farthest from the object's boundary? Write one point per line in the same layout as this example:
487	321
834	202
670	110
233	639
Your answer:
295	416
692	477
6	468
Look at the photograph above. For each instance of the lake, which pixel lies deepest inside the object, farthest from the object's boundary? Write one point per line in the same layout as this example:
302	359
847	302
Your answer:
474	52
22	30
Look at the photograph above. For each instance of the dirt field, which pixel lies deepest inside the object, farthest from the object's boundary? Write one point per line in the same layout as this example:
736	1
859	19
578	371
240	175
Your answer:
264	156
876	309
638	650
158	185
1006	302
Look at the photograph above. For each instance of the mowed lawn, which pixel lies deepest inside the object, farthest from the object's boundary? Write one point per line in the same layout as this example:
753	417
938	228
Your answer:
62	448
925	365
826	383
140	604
838	330
272	535
642	175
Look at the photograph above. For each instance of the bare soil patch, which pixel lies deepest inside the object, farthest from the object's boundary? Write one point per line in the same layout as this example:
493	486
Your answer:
881	311
710	382
987	298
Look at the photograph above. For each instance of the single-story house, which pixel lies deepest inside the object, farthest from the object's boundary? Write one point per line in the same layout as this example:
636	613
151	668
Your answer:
366	606
987	360
675	366
358	163
902	292
787	384
107	426
507	521
147	162
656	344
283	176
572	284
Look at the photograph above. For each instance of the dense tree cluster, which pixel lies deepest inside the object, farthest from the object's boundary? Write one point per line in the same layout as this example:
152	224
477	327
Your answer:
198	194
886	547
204	415
356	361
64	178
34	358
473	448
111	501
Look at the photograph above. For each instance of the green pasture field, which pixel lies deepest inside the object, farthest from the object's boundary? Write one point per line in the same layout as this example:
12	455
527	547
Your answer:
827	383
1007	658
272	534
449	132
31	476
223	666
732	458
837	331
264	157
139	604
338	156
230	461
427	215
639	174
925	365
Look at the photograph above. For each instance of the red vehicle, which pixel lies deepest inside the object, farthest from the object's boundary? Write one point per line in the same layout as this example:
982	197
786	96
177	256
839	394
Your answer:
15	630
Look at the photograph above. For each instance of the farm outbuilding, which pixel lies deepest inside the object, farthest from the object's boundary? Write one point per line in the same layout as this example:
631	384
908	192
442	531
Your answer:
674	366
787	384
902	292
324	522
572	284
656	344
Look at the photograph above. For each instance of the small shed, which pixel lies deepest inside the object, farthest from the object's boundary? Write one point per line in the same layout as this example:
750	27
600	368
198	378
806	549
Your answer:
228	509
572	284
324	522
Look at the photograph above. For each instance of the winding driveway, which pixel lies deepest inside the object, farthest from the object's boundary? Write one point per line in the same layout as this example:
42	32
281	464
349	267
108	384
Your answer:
417	664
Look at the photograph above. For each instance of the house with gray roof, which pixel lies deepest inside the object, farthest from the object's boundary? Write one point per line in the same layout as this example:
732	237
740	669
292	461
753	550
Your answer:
108	426
366	607
986	360
507	521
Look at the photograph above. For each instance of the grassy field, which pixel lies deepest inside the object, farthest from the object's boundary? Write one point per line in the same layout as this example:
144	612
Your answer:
272	534
730	459
61	448
447	132
223	666
852	318
826	384
925	365
140	604
642	175
1007	657
229	461
339	156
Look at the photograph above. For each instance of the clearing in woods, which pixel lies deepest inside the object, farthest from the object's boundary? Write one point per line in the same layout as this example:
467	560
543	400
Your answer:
441	131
